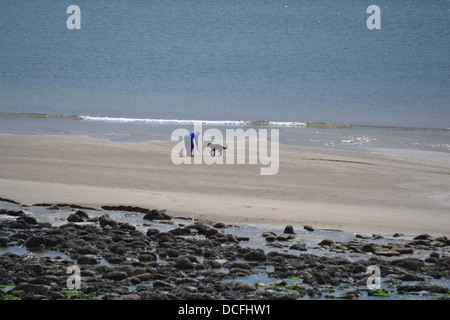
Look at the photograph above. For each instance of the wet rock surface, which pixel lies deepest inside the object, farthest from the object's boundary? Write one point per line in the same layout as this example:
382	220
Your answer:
158	257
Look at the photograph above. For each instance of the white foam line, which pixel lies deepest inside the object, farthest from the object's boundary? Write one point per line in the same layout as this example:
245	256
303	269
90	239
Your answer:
207	122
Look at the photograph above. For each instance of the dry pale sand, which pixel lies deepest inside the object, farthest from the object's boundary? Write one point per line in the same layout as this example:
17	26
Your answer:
391	191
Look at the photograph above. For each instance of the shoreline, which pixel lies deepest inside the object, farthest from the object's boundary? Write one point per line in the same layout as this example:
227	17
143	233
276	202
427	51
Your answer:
327	188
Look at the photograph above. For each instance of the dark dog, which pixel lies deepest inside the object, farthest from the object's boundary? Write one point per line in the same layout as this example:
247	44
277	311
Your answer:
215	147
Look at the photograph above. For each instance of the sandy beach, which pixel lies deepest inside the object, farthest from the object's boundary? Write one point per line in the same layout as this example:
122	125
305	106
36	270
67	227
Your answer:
385	191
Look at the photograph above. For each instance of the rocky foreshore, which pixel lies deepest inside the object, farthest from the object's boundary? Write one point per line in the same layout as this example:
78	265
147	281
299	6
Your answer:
194	259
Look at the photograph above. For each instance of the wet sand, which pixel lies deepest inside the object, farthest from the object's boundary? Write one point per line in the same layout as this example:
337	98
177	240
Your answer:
386	191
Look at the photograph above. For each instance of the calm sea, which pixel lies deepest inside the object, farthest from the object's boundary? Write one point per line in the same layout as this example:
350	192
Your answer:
311	68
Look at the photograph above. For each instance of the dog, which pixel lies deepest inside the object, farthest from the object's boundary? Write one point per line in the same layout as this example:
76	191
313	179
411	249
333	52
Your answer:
215	147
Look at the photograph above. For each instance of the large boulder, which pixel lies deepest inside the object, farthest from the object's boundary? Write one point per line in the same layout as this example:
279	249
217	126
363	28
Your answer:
79	216
412	264
157	215
289	230
255	255
183	264
34	242
105	220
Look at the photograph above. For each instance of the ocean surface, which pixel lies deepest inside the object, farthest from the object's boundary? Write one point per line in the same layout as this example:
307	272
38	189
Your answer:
136	70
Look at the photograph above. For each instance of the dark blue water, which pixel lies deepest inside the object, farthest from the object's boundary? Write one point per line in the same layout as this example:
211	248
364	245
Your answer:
306	61
298	63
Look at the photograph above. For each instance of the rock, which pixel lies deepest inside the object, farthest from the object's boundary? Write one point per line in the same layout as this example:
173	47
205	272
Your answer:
238	272
242	287
428	287
115	275
172	253
269	234
145	276
240	265
299	246
181	231
138	271
183	264
19	224
368	247
131	296
74	218
205	230
289	230
100	268
444	240
86	260
434	254
126	209
349	295
147	257
35	268
219	225
4	241
308	228
412	264
285	237
157	215
106	221
325	242
165	237
12	212
152	232
421	242
387	253
411	277
34	242
255	255
431	260
84	249
315	279
9	201
28	219
359	269
397	235
161	284
126	226
271	238
115	259
83	215
210	232
424	236
280	283
32	288
403	250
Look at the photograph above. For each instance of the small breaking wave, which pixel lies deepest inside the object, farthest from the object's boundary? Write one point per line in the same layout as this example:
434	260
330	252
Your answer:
258	123
41	116
251	123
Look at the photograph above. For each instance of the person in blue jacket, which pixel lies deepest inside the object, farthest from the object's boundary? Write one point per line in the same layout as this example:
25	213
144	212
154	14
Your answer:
189	142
